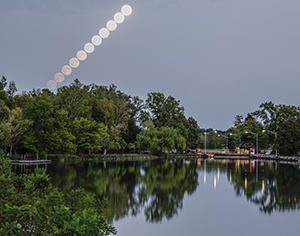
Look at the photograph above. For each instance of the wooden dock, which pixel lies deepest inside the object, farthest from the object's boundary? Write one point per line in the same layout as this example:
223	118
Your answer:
29	162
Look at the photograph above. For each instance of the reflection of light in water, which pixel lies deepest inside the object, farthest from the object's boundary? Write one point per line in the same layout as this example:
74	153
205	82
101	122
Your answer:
66	70
81	55
245	183
104	33
230	177
218	174
204	171
126	10
51	84
96	40
119	17
111	25
263	185
215	182
59	77
74	62
89	47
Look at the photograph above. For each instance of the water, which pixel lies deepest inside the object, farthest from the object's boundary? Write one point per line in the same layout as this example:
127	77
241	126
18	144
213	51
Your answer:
178	197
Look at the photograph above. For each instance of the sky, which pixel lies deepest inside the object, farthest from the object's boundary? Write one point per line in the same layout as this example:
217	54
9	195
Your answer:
220	58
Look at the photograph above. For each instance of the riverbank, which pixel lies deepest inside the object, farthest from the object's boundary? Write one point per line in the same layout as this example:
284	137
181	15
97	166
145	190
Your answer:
128	157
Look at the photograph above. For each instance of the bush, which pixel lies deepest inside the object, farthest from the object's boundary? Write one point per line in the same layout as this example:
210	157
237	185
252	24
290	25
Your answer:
30	205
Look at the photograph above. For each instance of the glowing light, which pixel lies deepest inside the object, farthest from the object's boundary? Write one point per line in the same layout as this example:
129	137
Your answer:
74	62
104	33
51	84
89	47
66	70
119	17
111	25
59	77
96	40
81	55
126	10
215	182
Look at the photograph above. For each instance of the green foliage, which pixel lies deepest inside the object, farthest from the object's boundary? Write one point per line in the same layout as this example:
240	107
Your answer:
289	143
30	205
49	128
162	111
164	140
88	135
75	99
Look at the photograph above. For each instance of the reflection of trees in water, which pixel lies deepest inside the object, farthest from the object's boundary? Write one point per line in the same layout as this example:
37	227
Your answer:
159	190
163	188
273	189
282	194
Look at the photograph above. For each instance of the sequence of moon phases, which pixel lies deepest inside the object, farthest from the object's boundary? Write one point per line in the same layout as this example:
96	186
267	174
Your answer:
89	47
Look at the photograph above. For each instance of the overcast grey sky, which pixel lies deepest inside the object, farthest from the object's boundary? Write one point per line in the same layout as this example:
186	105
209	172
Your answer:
220	58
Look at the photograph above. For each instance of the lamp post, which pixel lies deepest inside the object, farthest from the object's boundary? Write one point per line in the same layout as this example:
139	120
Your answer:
205	139
246	132
226	140
275	134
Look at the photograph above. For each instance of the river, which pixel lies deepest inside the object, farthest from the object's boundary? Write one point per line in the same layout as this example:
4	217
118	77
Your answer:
193	197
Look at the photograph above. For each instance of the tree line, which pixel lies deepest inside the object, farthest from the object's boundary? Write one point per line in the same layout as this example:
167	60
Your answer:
91	119
275	126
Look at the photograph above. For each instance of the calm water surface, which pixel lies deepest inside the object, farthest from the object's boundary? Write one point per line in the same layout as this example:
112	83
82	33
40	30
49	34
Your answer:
197	197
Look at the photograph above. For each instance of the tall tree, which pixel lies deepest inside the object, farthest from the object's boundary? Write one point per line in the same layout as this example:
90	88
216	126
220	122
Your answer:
162	111
49	129
75	99
17	126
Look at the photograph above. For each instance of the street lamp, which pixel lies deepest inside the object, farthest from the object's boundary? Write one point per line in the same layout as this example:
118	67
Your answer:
272	132
246	132
205	139
226	140
239	139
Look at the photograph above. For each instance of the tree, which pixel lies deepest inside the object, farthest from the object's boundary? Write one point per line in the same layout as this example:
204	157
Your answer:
164	140
272	116
148	137
75	99
193	133
49	128
88	135
289	141
162	111
17	126
6	95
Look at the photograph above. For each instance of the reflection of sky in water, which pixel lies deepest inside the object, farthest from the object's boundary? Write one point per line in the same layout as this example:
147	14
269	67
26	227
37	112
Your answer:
215	209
